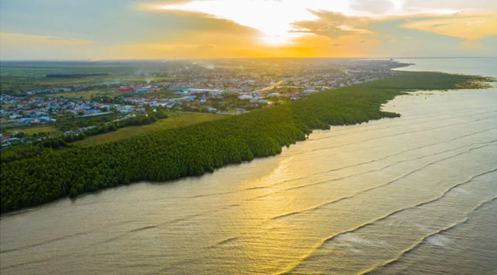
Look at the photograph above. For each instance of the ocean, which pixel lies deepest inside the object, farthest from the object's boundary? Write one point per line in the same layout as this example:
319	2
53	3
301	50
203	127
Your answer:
410	195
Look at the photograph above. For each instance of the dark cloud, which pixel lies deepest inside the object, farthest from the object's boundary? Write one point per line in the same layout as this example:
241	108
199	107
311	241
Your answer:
362	41
336	45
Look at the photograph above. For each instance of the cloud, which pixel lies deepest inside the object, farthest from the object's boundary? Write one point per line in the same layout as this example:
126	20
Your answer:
472	45
372	6
334	25
438	25
170	29
470	26
207	46
447	5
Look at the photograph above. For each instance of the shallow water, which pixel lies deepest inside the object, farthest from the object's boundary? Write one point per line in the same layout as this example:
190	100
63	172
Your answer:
412	195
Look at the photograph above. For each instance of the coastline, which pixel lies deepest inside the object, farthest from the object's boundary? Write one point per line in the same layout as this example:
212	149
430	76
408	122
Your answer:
287	125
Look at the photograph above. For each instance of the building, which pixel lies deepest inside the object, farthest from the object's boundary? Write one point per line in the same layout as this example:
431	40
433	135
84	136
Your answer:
242	97
125	109
181	92
46	119
126	89
308	92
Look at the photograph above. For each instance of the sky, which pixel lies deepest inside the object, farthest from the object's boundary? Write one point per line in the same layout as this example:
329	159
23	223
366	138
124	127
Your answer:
213	29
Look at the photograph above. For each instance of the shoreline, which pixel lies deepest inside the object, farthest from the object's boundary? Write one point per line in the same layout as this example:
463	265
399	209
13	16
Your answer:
301	126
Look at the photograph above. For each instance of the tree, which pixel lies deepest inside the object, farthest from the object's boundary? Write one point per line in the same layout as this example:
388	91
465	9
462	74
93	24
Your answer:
31	175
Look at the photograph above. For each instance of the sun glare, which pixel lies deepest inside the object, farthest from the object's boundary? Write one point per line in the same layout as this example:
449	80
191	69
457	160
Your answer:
272	18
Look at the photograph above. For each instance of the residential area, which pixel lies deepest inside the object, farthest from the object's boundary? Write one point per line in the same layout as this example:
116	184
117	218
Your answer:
218	89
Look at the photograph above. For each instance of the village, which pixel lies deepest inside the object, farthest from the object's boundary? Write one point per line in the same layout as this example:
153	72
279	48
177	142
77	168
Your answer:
198	88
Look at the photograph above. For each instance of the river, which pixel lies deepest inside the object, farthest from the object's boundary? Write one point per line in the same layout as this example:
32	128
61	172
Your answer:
410	195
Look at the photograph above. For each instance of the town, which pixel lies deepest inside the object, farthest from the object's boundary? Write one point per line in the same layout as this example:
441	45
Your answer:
195	87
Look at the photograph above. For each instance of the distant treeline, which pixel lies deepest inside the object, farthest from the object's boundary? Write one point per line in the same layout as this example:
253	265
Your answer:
72	75
33	175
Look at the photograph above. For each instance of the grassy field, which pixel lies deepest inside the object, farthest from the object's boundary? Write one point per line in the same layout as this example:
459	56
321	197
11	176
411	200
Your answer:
175	119
18	76
9	123
85	94
33	130
5	106
112	93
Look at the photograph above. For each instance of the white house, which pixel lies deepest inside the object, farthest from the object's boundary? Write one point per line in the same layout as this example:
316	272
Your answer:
308	92
242	97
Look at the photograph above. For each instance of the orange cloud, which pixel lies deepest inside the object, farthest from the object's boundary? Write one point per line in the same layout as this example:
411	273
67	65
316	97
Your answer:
334	25
470	27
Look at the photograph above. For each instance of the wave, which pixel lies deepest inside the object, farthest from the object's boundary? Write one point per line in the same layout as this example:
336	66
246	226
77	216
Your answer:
335	169
379	125
426	237
386	216
144	228
223	242
377	160
408	133
61	238
384	167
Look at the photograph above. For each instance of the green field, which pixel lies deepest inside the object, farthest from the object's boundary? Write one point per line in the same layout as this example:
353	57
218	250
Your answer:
26	76
33	130
175	119
111	93
85	94
5	106
4	123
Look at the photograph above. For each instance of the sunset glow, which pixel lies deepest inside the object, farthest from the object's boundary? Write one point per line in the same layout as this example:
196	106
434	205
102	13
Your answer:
247	28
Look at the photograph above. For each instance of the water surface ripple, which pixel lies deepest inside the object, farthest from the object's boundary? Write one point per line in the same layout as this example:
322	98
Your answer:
410	195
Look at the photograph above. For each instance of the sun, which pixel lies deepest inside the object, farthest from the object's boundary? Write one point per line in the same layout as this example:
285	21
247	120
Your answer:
272	18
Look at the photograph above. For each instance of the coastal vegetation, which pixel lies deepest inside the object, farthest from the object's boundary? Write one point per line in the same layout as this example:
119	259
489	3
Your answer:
174	120
105	126
33	175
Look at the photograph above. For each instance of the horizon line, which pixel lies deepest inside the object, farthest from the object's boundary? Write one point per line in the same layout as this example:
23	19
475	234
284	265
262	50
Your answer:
236	58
